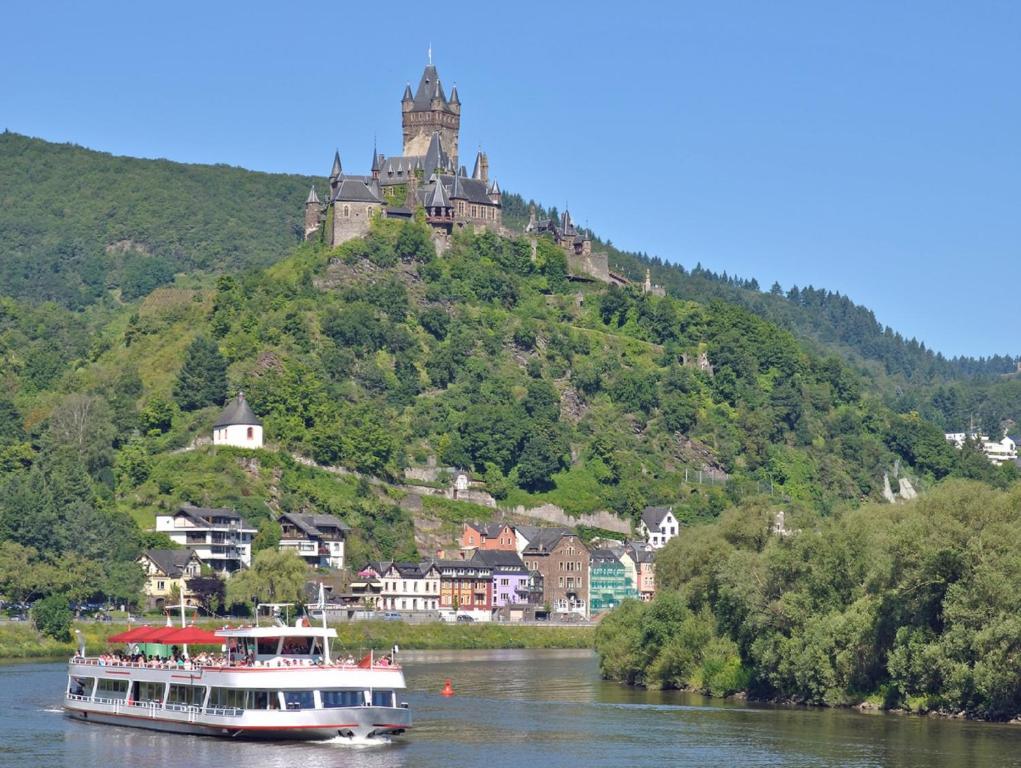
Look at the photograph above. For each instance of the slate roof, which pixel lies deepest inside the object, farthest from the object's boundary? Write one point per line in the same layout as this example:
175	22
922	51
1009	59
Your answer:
355	191
237	411
203	516
653	516
313	525
545	539
472	190
429	88
337	170
499	560
171	561
438	198
312	196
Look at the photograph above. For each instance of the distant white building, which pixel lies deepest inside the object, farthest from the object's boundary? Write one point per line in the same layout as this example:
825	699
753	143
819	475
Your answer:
317	539
658	525
221	538
237	425
997	451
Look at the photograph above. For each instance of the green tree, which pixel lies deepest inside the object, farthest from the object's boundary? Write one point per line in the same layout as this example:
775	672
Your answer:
52	617
275	577
202	379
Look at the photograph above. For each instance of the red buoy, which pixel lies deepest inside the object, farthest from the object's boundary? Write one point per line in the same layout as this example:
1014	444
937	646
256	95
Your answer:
448	689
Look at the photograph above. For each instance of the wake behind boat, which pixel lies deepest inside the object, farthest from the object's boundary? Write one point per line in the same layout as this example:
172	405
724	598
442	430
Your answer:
275	682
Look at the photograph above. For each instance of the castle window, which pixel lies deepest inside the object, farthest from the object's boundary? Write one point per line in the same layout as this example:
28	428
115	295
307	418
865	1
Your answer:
251	433
347	212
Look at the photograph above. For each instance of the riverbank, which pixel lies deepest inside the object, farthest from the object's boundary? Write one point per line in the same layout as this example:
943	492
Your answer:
22	641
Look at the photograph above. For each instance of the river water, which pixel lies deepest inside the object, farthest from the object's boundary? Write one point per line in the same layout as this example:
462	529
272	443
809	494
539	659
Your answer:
538	709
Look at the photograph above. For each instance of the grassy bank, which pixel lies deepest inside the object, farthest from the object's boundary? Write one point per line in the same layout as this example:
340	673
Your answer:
437	636
21	641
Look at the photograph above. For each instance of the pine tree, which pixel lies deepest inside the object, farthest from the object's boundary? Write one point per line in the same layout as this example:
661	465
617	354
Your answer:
202	379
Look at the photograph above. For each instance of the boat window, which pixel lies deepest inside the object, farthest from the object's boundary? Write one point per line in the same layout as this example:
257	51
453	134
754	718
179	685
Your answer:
263	700
109	689
268	646
144	691
80	686
227	698
299	700
333	699
382	698
297	646
187	695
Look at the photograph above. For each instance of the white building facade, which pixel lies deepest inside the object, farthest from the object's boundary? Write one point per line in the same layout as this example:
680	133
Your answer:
316	539
658	525
221	538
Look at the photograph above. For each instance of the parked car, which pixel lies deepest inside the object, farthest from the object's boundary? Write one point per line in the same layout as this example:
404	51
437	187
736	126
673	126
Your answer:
391	616
465	619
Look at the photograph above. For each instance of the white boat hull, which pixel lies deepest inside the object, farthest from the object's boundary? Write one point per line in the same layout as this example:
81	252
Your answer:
356	723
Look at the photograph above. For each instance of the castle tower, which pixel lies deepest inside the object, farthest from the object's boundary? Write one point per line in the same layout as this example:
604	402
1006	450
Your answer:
481	170
427	111
312	210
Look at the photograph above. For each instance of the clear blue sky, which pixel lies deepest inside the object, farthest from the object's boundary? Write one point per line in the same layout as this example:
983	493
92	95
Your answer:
868	147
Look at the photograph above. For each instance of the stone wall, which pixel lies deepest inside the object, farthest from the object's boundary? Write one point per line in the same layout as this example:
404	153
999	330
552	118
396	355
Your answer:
354	224
592	264
553	514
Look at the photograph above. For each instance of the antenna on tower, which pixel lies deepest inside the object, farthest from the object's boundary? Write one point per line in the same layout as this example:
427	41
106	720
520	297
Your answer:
430	54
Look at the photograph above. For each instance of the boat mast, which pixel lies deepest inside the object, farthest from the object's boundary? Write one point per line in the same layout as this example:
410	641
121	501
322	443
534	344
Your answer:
326	640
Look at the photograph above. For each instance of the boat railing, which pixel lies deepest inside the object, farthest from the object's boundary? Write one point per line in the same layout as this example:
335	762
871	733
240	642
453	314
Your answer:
154	705
225	667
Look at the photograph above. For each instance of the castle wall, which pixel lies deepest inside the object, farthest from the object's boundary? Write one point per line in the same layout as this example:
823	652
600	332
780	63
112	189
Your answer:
351	220
593	264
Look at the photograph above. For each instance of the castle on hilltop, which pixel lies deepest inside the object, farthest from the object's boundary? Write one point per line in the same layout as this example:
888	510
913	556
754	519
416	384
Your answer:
428	175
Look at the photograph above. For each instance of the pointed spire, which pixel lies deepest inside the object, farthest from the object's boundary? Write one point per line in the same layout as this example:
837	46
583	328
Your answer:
438	198
337	170
407	93
375	158
477	170
458	188
313	198
454	99
495	188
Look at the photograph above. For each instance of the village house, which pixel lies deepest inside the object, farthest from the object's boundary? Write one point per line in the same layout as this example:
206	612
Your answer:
510	577
609	583
466	587
237	425
167	570
643	556
410	587
221	538
488	536
563	562
317	539
658	525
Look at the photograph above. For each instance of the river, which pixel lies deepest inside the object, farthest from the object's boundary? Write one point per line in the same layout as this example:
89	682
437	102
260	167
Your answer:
538	709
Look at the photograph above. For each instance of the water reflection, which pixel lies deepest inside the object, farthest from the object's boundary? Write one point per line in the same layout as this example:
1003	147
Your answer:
520	708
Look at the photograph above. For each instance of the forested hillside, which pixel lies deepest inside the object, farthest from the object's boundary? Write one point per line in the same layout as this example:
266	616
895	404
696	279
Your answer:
381	355
75	222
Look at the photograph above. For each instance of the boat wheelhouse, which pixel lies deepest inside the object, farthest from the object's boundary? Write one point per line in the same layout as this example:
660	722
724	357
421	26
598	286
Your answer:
275	682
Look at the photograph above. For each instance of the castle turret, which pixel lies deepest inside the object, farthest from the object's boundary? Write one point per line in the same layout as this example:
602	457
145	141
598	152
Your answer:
375	162
481	170
335	173
428	111
495	194
312	210
532	223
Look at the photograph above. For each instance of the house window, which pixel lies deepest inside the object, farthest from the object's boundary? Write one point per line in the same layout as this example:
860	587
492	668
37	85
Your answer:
161	585
251	433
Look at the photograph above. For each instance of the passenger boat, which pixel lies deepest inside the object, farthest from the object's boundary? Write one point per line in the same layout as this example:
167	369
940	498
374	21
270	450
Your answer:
269	682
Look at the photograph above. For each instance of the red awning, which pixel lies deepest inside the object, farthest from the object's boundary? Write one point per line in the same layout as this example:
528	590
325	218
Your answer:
191	635
366	661
130	635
